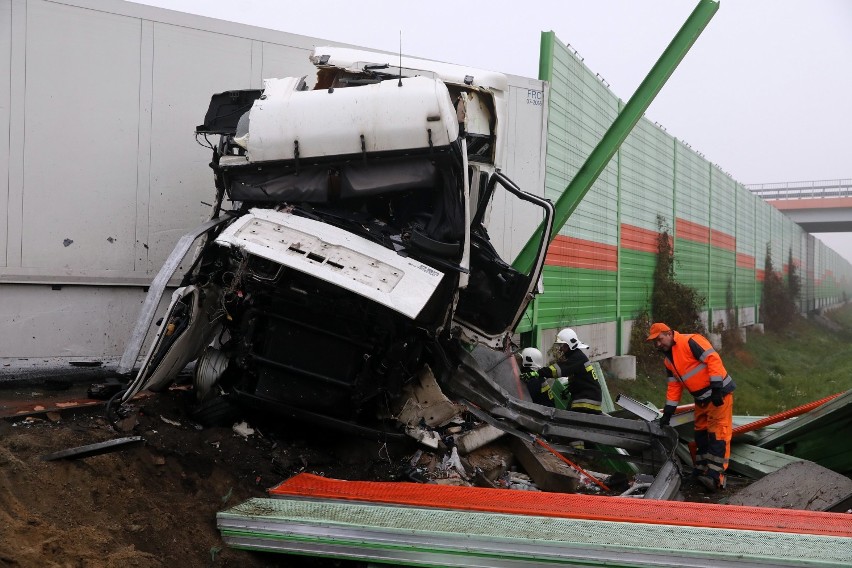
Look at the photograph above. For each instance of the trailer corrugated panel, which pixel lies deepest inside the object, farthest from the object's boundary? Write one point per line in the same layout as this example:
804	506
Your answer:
646	196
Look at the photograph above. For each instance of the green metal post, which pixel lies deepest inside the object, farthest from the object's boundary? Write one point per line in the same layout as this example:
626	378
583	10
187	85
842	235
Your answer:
619	340
623	124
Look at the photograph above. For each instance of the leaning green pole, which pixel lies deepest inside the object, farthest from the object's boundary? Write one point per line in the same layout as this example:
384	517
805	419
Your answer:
623	124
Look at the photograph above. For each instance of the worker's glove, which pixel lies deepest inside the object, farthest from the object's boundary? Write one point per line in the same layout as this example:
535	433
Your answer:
529	375
716	396
666	418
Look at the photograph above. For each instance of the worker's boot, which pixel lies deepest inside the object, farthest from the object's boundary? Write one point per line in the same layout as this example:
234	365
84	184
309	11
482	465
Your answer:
708	482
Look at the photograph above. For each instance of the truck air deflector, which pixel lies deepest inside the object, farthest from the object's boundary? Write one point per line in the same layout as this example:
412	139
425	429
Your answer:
285	124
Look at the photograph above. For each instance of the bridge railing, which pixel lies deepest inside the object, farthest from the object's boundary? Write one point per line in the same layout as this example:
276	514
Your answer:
802	189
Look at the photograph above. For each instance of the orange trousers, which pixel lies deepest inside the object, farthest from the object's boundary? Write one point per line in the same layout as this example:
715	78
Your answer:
713	428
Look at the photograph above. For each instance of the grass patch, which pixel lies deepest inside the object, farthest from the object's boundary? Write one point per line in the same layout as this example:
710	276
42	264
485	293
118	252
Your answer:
774	371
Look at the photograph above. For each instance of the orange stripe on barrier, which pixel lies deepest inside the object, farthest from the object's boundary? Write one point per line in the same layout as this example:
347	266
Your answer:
639	239
691	231
568	506
757	424
723	240
572	252
745	260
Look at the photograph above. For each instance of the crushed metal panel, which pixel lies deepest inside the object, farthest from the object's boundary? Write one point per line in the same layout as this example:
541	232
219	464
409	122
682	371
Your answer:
335	256
180	339
95	449
637	408
813	436
490	402
423	407
756	462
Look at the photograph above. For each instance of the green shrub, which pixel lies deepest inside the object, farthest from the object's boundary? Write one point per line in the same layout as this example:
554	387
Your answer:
778	309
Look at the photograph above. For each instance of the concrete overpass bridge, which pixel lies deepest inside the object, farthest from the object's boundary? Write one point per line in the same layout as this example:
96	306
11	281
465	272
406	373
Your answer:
817	206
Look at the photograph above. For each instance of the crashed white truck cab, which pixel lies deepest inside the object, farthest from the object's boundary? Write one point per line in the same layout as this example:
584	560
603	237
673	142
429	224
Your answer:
348	244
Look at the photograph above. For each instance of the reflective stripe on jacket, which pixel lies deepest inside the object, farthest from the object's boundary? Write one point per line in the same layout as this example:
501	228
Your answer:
693	363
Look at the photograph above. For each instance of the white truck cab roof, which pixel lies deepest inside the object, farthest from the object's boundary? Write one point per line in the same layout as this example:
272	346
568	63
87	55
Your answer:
356	60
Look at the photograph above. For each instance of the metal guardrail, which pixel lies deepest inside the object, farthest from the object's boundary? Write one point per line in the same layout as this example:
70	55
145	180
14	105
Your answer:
802	189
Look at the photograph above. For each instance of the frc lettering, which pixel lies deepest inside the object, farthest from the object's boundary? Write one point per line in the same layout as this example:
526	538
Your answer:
535	97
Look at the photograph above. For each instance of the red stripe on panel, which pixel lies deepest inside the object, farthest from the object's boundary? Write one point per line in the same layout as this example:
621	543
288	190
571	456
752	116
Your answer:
579	253
745	260
637	238
761	274
723	240
691	231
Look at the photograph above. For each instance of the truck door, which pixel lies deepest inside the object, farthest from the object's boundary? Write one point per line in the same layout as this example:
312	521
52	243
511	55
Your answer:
497	294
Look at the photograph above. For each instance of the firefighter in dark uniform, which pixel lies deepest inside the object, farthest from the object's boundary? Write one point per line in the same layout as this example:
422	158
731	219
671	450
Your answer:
572	365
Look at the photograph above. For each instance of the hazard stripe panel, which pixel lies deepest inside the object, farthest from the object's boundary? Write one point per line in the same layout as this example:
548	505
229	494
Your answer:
569	506
424	536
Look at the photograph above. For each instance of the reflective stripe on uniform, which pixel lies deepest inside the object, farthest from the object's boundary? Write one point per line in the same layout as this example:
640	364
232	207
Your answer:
707	353
693	371
588	405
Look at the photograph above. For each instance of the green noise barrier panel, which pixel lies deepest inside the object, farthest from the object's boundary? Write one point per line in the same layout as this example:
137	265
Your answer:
414	536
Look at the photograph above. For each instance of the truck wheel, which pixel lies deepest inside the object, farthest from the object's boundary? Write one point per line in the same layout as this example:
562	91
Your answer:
218	411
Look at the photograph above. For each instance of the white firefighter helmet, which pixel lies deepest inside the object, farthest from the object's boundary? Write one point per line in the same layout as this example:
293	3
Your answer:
569	337
531	358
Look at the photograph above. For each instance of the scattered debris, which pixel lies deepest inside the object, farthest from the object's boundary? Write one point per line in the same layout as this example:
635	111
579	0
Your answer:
172	422
105	390
549	473
477	437
95	449
243	429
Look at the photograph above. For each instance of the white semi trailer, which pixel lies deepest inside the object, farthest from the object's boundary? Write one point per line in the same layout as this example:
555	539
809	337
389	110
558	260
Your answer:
99	184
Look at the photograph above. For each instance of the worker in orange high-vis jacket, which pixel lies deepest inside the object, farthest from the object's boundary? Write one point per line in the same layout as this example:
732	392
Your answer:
693	364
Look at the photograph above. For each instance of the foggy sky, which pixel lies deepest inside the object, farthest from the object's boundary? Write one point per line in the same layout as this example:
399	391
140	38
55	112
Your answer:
764	93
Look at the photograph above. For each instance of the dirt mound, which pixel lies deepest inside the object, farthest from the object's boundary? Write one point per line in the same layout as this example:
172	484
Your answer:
153	505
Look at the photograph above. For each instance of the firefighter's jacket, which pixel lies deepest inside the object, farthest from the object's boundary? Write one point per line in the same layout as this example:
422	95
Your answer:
692	363
582	381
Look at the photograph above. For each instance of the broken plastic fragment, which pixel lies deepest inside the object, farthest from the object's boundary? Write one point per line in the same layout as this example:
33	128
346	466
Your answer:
243	429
